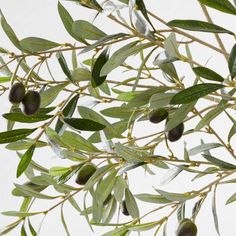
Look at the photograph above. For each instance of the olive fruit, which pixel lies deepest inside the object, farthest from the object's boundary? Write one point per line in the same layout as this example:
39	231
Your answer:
85	173
186	228
31	102
175	133
17	93
124	209
158	115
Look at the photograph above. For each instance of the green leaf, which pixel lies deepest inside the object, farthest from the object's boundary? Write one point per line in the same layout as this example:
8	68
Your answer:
32	193
99	63
203	147
131	204
81	74
20	117
34	44
14	135
194	93
25	160
232	62
62	61
214	212
32	230
76	141
24	144
49	95
142	8
143	227
4	79
58	170
220	163
64	222
180	197
129	154
10	227
221	5
196	25
86	30
160	100
118	112
179	116
67	175
119	188
67	21
9	31
157	199
98	174
209	117
231	199
102	40
208	74
68	111
84	124
144	97
105	187
121	55
20	214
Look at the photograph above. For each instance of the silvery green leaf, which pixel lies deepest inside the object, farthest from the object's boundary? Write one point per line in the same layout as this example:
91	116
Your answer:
109	7
181	212
171	47
214	212
142	26
160	100
170	175
129	166
163	58
203	147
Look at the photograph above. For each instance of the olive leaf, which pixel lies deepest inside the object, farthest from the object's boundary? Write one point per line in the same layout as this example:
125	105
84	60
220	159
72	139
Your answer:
232	62
194	93
195	25
221	5
86	30
208	74
97	80
25	160
14	135
34	44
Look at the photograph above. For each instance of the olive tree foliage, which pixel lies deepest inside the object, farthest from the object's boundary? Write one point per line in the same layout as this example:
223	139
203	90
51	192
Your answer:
99	140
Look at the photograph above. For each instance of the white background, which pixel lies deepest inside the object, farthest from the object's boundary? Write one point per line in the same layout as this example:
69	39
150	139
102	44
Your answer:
40	18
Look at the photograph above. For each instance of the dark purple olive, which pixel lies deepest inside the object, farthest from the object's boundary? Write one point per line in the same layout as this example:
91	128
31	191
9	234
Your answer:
158	115
85	173
31	103
176	133
17	93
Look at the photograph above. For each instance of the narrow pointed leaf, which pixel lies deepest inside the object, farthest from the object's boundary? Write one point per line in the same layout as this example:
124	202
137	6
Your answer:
99	63
34	44
194	93
86	30
62	61
68	111
232	62
14	135
221	5
220	163
84	124
20	117
208	74
25	160
195	25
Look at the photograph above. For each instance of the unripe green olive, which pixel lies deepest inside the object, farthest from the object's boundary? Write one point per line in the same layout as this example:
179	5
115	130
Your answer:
158	115
31	103
186	228
124	209
176	133
85	173
17	93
